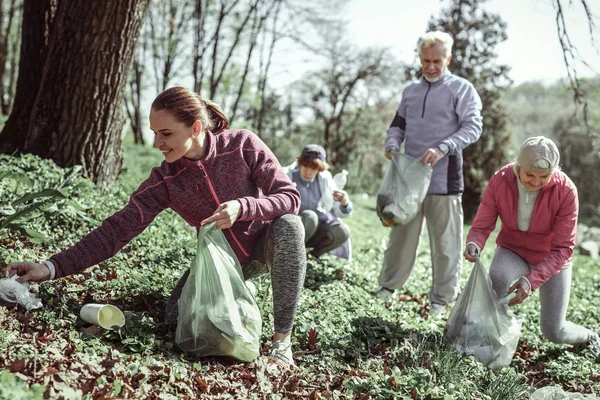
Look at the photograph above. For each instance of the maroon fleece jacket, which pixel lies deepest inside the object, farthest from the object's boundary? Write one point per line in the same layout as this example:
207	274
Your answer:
237	166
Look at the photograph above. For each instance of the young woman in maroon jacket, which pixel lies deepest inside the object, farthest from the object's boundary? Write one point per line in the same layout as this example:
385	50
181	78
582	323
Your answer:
210	174
537	204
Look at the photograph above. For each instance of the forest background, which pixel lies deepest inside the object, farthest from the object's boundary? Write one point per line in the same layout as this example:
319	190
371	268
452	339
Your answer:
76	80
232	52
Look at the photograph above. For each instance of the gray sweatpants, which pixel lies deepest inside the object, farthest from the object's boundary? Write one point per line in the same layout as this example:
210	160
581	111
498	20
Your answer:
279	250
323	236
444	218
507	267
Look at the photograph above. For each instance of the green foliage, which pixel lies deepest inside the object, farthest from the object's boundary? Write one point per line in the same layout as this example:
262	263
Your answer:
476	35
14	388
25	201
347	343
536	109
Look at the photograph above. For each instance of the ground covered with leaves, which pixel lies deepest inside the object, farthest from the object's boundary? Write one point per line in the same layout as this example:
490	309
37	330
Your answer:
347	343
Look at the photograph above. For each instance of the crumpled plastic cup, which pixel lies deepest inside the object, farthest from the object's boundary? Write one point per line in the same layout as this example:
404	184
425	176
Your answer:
105	315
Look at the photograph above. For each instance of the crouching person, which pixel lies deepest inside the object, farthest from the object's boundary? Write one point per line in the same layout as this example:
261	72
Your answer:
538	207
322	204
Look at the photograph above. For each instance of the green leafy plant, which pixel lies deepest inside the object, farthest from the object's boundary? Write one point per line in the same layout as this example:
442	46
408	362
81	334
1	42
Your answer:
14	388
30	205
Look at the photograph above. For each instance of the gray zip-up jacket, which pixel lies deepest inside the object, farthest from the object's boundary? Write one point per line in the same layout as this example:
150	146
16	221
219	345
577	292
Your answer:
446	111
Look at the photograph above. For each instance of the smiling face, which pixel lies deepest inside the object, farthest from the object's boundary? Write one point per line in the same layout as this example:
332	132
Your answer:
534	181
434	62
173	138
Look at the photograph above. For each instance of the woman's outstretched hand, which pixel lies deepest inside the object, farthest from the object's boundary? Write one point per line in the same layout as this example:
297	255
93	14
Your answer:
225	215
28	272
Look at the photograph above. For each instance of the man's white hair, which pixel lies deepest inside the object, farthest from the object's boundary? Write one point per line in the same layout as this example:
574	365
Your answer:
431	38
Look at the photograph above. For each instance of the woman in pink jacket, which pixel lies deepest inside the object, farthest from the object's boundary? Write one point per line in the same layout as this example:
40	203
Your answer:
537	204
210	174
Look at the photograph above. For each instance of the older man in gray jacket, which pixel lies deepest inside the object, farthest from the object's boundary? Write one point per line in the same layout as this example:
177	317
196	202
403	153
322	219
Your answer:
437	118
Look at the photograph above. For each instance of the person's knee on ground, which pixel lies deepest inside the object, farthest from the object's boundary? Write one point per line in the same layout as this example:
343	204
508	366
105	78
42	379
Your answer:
310	222
331	238
172	307
556	333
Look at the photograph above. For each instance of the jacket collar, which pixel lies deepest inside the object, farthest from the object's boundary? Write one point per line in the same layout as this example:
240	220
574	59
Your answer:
446	75
554	179
210	153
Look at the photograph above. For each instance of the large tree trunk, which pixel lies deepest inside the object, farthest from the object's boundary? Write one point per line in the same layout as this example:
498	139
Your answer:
38	16
77	118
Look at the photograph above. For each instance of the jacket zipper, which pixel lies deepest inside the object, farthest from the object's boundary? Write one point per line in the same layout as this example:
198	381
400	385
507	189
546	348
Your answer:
214	193
425	100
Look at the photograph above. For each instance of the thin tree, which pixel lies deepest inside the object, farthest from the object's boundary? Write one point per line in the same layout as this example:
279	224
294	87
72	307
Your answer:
261	14
571	57
133	99
333	88
13	62
37	24
7	36
167	38
267	49
134	92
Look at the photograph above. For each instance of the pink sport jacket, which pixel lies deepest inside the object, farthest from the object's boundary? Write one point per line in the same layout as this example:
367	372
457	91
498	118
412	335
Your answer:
237	166
549	242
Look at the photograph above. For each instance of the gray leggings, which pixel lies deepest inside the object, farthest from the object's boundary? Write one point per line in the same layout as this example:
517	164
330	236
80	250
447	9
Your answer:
323	236
507	267
280	249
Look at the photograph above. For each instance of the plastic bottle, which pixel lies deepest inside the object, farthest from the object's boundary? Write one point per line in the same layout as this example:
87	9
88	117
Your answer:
340	179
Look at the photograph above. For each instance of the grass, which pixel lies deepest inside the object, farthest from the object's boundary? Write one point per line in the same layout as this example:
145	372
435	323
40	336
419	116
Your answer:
347	343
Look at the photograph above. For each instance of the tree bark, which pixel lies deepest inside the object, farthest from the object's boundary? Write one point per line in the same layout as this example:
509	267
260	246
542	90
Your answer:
77	117
38	17
5	37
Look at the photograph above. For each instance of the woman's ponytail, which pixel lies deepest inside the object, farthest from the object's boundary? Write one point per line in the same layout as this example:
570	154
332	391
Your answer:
217	117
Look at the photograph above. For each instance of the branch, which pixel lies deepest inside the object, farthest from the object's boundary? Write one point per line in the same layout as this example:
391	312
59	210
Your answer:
570	55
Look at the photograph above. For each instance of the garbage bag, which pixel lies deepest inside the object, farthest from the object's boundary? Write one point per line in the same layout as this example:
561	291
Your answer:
481	325
403	189
15	292
218	315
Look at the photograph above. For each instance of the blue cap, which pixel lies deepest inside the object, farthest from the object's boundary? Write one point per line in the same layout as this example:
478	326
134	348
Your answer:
314	151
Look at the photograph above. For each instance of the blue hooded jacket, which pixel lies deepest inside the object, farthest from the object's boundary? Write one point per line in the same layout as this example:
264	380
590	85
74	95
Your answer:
445	111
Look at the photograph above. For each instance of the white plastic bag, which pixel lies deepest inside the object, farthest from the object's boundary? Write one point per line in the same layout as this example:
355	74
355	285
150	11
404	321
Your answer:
481	325
557	393
15	292
403	189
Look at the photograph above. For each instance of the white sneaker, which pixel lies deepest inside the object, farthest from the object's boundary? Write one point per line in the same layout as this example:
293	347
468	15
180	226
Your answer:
384	293
280	355
437	310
